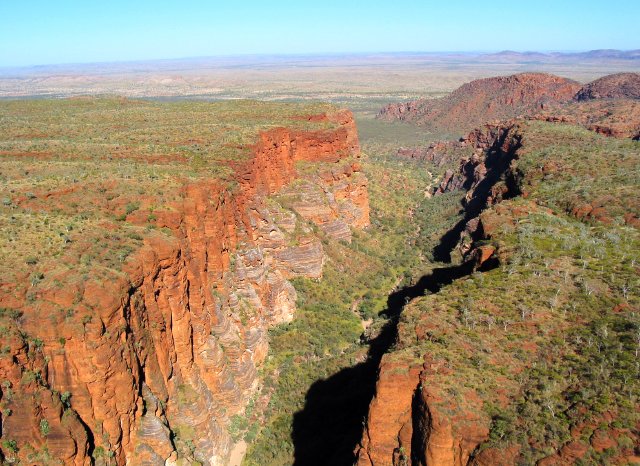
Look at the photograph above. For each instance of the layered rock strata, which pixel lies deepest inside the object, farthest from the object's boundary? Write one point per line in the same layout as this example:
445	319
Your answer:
147	366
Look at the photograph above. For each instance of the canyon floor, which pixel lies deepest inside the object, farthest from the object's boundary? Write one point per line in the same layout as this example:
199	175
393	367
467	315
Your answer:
187	279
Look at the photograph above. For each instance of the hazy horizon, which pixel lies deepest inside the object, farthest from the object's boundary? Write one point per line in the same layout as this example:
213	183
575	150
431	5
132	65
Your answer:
44	33
262	57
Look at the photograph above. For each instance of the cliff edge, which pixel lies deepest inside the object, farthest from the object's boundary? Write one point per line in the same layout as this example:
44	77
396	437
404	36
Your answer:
134	333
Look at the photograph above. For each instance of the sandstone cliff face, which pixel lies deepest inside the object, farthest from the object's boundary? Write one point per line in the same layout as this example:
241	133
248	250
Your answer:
148	365
492	147
389	428
410	420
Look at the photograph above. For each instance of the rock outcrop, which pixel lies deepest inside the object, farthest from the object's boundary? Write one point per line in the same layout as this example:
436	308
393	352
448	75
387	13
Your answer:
439	153
484	100
147	365
493	147
389	427
618	118
613	86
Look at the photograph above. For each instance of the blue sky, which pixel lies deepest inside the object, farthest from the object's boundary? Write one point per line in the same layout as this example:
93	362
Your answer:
70	31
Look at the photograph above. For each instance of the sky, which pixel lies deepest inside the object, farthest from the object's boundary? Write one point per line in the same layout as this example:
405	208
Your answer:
34	32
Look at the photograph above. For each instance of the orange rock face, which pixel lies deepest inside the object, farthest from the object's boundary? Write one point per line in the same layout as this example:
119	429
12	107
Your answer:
389	426
155	360
411	422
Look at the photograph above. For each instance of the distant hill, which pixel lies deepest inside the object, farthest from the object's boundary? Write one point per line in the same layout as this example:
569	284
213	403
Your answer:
484	100
610	53
392	76
531	95
619	85
268	61
602	54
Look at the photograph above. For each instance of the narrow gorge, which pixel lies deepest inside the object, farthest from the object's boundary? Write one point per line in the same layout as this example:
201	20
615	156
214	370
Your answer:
492	367
483	361
241	282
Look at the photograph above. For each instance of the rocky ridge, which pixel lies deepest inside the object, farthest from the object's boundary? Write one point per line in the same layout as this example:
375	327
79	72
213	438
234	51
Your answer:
484	100
615	117
613	86
607	105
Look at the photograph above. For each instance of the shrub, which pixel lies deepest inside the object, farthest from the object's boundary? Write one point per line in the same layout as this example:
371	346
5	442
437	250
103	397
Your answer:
10	445
44	427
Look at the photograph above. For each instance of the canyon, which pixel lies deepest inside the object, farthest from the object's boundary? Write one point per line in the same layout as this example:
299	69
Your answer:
190	282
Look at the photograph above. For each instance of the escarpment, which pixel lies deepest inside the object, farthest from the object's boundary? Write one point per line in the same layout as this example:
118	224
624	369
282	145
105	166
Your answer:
148	363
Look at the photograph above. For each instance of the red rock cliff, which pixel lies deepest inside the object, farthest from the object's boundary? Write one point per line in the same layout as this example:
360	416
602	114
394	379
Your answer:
148	365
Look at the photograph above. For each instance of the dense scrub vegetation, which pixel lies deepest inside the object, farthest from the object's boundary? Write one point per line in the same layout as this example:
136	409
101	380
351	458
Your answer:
545	348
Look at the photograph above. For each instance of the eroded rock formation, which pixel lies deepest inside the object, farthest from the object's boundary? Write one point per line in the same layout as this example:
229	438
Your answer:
148	365
428	409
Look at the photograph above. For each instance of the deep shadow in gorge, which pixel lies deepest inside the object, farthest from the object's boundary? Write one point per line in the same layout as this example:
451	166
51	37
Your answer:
497	162
327	430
